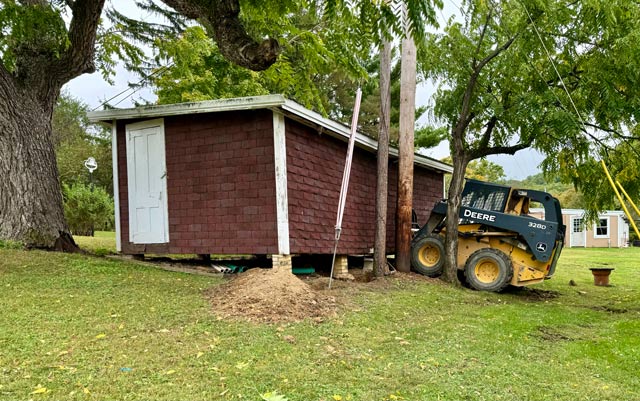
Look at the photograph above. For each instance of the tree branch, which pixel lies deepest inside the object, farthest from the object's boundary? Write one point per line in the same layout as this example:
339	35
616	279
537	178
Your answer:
577	39
468	120
222	19
482	33
496	52
486	136
466	116
495	150
615	132
597	140
79	58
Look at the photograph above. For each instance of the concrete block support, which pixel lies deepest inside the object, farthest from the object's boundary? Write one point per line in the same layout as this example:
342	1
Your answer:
281	262
341	268
368	264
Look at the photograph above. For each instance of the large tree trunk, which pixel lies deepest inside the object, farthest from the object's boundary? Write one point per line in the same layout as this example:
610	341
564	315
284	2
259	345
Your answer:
380	247
31	209
30	197
405	151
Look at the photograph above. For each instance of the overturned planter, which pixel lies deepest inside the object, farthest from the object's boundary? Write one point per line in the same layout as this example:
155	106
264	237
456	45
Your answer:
601	275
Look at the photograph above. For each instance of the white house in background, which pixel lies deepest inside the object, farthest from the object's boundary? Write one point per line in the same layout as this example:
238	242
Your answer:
610	231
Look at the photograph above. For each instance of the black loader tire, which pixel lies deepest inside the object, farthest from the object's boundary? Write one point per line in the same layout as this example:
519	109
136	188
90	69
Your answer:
427	255
488	270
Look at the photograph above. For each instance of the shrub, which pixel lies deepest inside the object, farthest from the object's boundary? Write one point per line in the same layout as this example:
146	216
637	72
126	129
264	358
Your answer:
87	208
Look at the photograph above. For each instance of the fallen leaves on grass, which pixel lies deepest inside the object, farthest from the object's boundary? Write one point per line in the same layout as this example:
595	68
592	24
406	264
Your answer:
40	390
273	396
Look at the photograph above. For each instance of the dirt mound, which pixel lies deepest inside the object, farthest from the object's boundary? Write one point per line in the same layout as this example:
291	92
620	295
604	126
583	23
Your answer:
269	296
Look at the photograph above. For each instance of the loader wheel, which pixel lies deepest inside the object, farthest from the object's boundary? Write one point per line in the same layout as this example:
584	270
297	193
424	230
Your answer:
488	270
427	255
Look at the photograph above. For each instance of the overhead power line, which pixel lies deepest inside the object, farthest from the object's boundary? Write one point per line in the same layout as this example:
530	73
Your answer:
135	87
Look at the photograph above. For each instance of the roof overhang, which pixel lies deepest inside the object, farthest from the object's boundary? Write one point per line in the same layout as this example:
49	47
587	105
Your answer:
581	212
272	102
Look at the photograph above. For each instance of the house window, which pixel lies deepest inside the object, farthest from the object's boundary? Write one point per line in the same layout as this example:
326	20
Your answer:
602	228
577	225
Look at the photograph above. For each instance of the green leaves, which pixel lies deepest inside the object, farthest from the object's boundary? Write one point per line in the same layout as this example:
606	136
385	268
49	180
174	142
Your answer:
113	47
317	46
75	139
87	208
30	30
428	137
197	71
518	99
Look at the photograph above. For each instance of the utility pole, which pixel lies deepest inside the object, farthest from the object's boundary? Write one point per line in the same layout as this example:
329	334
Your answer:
405	149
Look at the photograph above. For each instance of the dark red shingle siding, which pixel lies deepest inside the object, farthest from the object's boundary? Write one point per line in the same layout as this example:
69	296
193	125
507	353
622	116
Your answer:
220	183
315	164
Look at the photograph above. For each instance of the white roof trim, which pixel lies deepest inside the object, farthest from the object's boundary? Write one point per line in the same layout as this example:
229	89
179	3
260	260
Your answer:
361	139
207	106
581	212
254	103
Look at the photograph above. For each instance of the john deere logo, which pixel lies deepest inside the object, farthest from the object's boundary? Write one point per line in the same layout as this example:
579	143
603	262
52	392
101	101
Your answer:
541	246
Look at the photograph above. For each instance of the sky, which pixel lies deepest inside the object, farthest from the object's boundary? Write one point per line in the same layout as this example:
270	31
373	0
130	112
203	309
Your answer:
94	90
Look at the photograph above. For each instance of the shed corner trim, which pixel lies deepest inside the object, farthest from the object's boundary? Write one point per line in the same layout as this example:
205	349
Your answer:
282	199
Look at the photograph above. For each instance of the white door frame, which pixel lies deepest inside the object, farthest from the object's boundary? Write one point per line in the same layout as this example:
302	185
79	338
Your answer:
584	232
164	204
116	182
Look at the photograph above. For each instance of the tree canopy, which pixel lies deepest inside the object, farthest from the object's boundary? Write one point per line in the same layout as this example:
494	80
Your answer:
557	76
195	70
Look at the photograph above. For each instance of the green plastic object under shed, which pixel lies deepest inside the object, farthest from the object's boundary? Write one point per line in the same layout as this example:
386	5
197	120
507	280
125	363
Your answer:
303	270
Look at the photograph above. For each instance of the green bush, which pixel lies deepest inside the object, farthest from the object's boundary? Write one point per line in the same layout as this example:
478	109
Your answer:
87	209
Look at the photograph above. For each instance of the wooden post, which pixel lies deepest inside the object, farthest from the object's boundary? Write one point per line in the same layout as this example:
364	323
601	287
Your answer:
380	247
405	152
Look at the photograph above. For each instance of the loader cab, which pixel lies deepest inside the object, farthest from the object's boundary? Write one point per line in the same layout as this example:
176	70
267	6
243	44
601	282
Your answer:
485	196
499	241
504	199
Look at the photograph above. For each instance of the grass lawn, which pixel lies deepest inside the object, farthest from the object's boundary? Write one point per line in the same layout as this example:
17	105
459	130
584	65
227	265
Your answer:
102	243
88	328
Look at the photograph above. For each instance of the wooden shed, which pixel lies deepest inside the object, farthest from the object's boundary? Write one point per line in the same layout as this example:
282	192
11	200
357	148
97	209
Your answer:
255	175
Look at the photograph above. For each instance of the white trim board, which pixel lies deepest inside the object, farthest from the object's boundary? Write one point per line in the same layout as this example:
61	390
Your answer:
597	224
116	188
282	199
208	106
147	192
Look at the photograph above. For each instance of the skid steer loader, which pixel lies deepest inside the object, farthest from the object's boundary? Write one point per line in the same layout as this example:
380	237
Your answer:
499	243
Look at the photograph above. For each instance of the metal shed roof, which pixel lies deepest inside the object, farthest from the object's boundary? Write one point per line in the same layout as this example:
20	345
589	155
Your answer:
272	102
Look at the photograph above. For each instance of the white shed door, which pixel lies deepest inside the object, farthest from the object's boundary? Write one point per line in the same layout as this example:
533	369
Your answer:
578	234
147	181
